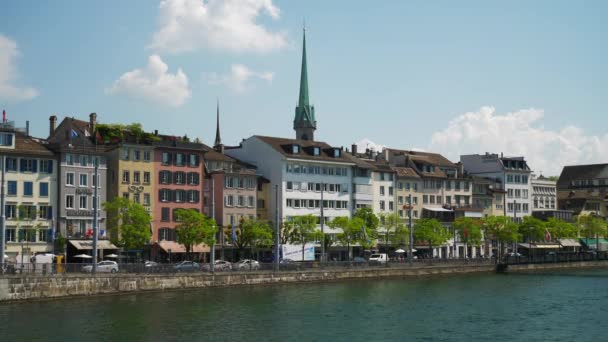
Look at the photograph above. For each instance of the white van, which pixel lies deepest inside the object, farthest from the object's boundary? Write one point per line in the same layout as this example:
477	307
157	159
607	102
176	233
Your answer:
379	258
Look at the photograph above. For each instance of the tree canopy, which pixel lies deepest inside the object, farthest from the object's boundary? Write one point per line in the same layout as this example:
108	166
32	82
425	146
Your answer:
430	231
469	230
368	216
194	228
128	222
253	233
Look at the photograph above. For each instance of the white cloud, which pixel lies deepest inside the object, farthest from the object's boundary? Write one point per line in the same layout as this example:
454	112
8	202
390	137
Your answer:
154	83
519	133
8	73
187	25
240	77
366	143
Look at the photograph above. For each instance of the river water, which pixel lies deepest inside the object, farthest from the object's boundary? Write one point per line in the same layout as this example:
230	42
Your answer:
555	306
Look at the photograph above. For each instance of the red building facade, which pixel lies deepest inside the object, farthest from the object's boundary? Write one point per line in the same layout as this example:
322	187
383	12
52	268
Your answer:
180	170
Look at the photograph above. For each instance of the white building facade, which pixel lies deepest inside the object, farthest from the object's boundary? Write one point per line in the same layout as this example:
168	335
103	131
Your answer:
31	193
544	194
303	175
513	172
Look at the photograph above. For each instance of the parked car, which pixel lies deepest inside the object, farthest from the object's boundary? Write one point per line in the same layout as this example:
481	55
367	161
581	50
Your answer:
220	265
359	261
247	265
378	258
288	264
151	267
187	266
105	266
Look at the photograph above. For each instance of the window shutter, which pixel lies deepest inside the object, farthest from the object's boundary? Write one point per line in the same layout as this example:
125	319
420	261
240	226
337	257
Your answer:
49	166
170	177
22	165
21	234
160	194
49	213
34	165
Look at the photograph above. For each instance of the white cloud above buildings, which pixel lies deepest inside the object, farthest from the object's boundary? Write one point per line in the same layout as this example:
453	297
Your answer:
231	25
366	143
154	83
239	78
519	133
9	90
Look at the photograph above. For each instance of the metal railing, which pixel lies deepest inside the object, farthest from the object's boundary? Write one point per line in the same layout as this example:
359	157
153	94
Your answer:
556	257
84	269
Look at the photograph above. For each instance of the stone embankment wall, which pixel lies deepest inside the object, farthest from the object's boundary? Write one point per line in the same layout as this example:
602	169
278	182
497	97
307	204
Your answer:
555	266
33	287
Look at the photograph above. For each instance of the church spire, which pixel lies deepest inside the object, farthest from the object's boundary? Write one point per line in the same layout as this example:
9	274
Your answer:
304	123
218	139
303	100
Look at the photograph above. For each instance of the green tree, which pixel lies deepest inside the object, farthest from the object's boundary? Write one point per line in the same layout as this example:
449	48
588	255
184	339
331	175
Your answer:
430	231
305	230
560	229
533	229
128	222
469	231
368	216
591	226
395	230
288	232
253	233
502	229
348	234
194	228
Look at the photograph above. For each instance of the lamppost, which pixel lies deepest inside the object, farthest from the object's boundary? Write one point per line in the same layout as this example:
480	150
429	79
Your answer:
410	257
95	214
322	225
2	216
277	230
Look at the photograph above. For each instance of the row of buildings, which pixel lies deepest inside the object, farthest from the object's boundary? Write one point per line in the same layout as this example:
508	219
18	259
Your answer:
51	182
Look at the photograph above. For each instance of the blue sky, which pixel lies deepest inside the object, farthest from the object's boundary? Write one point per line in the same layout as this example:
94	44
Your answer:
520	77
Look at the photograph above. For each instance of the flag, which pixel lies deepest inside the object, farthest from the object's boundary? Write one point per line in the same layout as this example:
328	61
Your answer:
102	233
74	134
98	136
547	235
3	116
364	233
233	232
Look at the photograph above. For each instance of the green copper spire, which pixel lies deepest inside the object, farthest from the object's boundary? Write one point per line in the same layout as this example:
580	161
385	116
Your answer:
304	101
304	122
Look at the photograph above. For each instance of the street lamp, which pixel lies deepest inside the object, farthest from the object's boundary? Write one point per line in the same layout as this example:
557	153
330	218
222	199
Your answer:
408	206
322	225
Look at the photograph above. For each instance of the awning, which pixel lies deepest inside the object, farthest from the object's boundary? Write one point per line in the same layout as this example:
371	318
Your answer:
475	214
437	209
88	244
525	245
569	243
547	246
175	247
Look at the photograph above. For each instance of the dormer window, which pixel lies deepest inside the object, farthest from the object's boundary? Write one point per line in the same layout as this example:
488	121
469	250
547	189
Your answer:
6	139
316	151
295	149
337	153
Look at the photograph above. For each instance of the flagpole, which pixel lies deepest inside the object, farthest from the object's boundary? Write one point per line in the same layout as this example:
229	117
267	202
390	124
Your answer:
95	214
212	256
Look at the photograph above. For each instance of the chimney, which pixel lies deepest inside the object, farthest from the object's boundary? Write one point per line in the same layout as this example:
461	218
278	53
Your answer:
354	148
27	128
92	122
386	154
500	155
155	132
53	125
